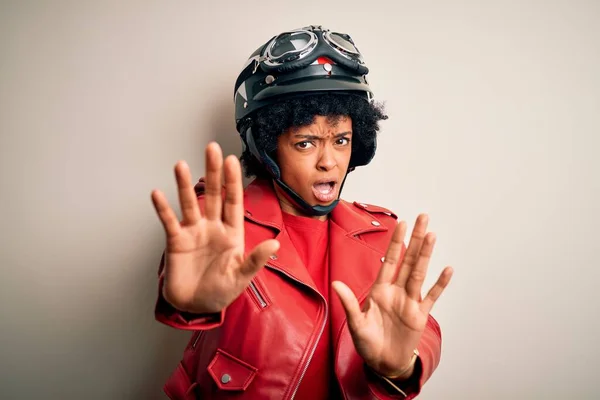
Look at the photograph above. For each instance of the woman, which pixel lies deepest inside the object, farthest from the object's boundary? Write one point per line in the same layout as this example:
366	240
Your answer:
251	271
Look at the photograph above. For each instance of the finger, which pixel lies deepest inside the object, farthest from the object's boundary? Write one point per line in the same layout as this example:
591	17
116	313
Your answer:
389	269
214	164
419	271
436	291
412	252
165	213
350	303
234	193
190	211
258	257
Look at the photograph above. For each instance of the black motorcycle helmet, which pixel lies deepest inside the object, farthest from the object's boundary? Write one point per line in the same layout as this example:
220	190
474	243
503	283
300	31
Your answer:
305	61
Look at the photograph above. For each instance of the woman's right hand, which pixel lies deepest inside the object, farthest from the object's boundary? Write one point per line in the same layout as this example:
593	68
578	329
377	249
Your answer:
205	268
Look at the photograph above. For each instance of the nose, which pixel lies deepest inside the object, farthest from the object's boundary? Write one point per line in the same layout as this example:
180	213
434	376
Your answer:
327	159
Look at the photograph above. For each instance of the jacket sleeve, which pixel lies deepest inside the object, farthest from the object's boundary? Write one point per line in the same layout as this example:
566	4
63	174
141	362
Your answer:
167	314
430	349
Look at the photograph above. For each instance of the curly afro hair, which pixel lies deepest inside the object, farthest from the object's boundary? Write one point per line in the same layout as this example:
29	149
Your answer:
273	120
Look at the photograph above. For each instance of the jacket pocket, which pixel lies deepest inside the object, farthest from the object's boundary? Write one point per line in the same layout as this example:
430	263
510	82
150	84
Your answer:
229	372
179	386
257	294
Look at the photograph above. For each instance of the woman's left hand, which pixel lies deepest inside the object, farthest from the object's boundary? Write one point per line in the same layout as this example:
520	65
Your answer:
389	327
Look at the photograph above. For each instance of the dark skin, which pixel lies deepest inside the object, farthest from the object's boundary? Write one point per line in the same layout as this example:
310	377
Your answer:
206	269
313	153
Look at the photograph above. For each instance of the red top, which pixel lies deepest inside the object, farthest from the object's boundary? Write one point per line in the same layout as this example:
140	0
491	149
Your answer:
310	237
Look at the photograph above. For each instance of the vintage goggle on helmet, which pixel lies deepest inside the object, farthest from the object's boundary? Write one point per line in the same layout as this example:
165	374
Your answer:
289	50
304	61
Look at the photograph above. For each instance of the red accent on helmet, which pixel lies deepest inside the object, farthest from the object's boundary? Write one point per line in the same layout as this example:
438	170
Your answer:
325	60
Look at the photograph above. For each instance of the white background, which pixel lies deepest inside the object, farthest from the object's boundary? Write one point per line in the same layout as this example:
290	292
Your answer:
493	131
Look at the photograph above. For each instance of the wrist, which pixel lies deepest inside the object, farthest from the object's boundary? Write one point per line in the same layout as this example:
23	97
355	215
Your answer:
402	375
406	371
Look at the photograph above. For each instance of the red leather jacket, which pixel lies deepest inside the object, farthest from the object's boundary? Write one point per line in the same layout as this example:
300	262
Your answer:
261	345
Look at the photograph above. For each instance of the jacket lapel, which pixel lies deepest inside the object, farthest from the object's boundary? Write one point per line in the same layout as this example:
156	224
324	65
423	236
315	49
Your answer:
262	208
288	261
352	260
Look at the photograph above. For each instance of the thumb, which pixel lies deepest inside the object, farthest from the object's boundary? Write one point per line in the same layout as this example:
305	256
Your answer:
350	303
258	257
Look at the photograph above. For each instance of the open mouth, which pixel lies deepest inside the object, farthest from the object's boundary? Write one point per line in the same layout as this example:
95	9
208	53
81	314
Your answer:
325	191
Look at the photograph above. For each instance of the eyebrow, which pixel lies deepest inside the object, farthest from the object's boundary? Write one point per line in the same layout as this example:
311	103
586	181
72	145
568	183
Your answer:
314	137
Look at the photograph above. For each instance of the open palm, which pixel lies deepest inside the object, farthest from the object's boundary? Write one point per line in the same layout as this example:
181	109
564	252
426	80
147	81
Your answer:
388	328
205	265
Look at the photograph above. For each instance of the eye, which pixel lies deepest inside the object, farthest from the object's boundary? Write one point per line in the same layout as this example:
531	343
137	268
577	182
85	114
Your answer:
342	141
304	145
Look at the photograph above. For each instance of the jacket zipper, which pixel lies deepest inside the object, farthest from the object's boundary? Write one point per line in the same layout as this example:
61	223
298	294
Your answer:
257	294
196	339
312	352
